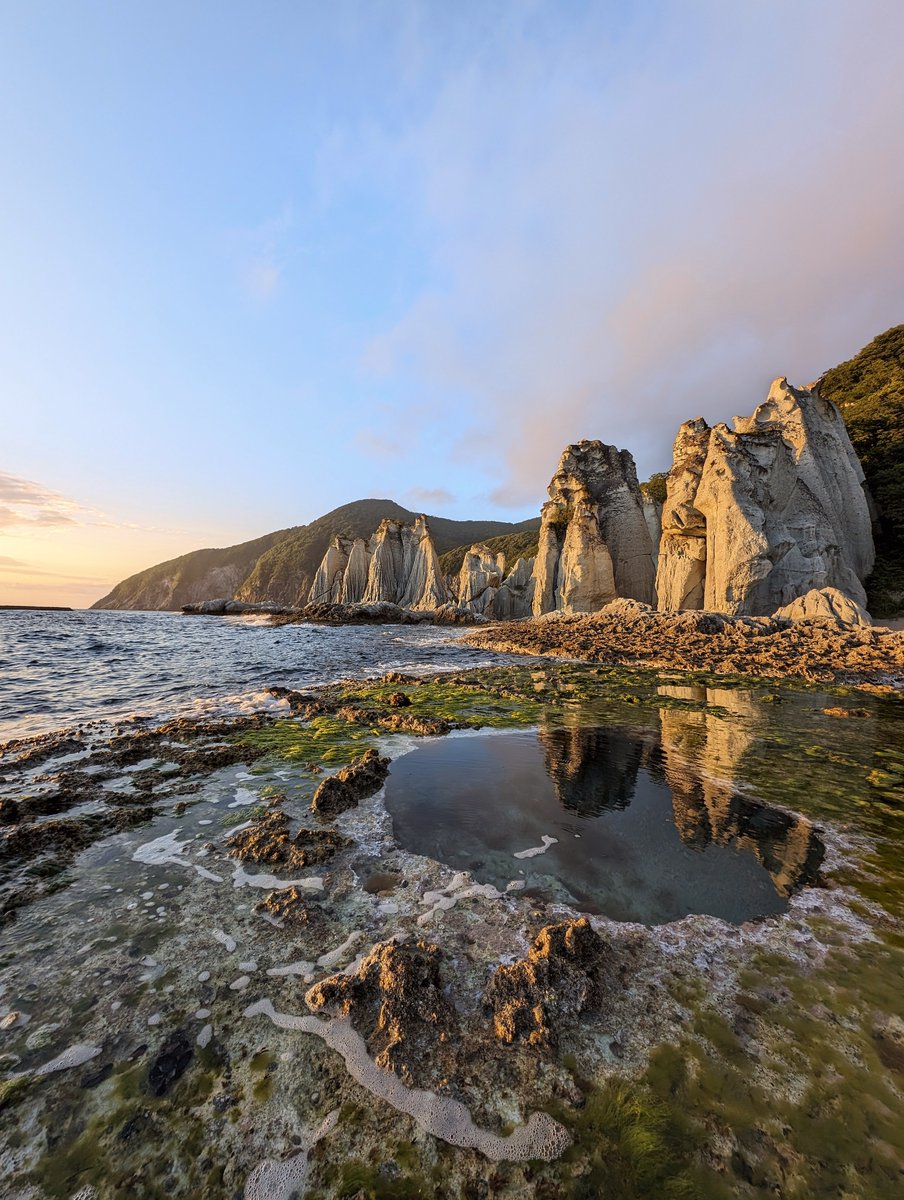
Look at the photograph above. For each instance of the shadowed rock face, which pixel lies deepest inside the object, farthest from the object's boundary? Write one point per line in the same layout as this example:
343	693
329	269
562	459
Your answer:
760	515
484	587
595	543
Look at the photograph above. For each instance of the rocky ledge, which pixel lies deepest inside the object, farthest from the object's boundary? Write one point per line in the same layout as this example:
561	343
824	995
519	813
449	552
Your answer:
381	612
820	648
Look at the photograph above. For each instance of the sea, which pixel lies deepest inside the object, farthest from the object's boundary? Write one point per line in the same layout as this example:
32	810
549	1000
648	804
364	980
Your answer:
59	669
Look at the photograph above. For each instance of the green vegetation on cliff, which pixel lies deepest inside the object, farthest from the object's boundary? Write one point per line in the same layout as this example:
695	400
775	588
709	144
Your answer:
869	391
512	545
281	566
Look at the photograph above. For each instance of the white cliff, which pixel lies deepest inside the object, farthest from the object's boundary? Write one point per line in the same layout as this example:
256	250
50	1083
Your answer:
399	565
327	585
595	544
762	514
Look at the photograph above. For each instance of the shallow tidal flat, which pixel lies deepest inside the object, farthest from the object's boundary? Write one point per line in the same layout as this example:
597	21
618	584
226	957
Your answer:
663	957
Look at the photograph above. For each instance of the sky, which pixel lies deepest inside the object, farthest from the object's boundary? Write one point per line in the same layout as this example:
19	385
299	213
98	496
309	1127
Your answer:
259	260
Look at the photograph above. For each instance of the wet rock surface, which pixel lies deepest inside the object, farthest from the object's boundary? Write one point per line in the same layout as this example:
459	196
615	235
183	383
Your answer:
352	784
170	1063
269	840
695	1041
395	1000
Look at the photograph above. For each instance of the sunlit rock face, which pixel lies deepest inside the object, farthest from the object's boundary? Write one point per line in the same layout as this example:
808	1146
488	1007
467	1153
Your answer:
399	566
595	543
354	580
760	515
480	578
327	585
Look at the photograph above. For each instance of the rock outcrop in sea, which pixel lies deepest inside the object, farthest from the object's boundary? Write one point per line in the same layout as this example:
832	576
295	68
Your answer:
595	542
759	516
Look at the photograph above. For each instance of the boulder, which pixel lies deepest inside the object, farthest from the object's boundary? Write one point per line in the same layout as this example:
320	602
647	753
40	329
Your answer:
353	783
826	604
760	515
396	1001
594	540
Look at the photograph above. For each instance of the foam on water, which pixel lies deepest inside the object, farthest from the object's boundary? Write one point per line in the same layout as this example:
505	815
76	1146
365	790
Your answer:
541	1137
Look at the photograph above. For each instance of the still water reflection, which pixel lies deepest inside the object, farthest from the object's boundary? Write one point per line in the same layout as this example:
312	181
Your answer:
638	835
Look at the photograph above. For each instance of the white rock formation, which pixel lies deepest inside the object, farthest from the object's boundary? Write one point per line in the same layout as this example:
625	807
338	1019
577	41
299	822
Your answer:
480	578
594	541
354	581
399	566
328	582
760	515
515	596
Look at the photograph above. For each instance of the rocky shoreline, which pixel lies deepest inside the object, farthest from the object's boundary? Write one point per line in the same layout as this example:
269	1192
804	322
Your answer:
297	1002
627	633
381	612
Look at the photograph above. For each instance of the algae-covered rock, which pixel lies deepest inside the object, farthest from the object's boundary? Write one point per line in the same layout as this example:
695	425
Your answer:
396	1001
562	976
286	905
352	784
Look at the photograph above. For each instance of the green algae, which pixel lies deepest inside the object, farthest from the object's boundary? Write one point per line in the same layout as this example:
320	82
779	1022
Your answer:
324	739
631	1144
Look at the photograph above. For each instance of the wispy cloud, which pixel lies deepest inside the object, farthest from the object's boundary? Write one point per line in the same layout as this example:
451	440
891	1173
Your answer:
264	252
439	497
24	502
630	231
26	505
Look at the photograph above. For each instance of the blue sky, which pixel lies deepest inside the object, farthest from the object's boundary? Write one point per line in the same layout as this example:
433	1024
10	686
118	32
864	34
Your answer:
260	260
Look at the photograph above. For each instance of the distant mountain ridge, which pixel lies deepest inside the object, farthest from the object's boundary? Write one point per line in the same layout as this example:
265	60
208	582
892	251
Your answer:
280	567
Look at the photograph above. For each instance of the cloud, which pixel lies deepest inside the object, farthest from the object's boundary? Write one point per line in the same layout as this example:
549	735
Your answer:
263	253
27	506
635	223
439	497
23	502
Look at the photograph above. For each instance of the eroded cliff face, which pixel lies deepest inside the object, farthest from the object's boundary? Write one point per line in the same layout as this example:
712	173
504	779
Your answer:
762	514
399	565
595	543
327	585
483	586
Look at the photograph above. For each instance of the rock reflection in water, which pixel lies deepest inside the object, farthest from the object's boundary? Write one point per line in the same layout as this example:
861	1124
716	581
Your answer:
700	751
640	834
592	769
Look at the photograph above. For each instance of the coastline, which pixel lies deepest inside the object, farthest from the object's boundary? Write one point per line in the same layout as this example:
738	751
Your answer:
343	918
626	633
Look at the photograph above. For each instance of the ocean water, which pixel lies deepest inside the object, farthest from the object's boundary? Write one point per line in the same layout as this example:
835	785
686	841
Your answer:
61	668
